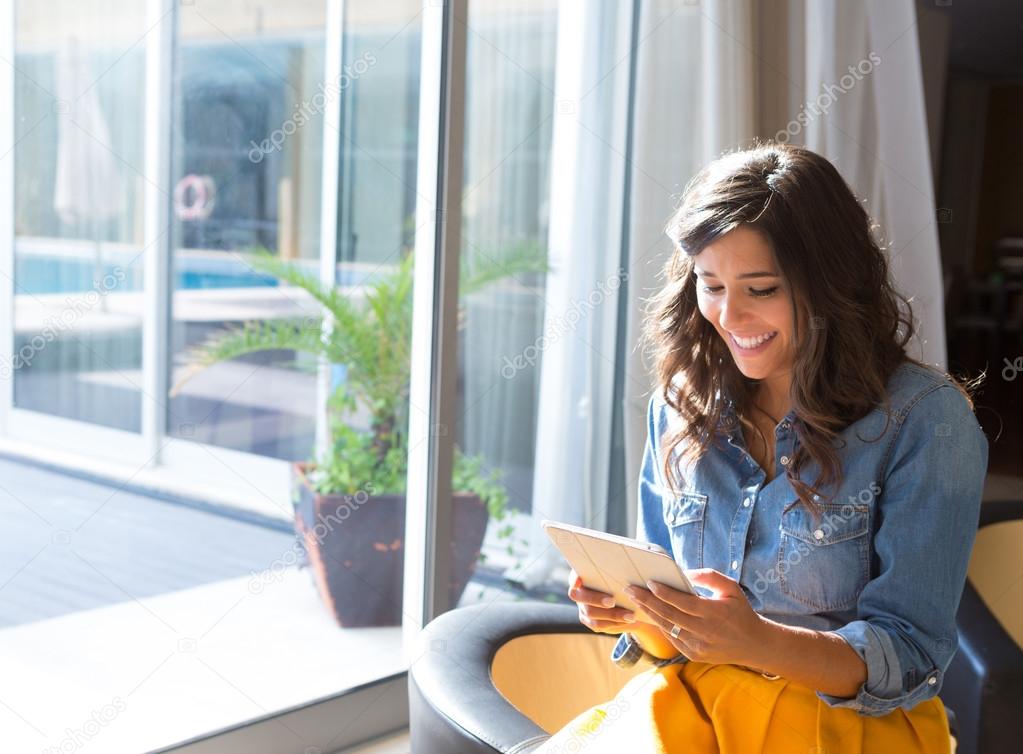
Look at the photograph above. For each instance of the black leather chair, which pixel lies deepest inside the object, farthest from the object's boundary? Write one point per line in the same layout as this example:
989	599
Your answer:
984	683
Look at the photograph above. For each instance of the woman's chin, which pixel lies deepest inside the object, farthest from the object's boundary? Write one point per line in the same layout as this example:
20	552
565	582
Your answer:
752	371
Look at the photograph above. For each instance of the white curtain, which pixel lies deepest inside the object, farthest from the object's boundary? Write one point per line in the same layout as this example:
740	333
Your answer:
863	63
507	158
574	410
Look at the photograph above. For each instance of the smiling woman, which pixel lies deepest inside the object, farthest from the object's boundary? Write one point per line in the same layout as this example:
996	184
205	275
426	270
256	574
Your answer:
756	321
831	575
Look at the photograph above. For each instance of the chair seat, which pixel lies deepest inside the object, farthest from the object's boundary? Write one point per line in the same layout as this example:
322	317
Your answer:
504	677
995	569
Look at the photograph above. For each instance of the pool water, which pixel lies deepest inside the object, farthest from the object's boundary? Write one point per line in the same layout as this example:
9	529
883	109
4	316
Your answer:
39	275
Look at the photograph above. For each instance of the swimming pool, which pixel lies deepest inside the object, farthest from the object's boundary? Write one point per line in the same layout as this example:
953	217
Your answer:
39	274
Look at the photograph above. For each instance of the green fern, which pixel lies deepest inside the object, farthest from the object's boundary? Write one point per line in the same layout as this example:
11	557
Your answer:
372	338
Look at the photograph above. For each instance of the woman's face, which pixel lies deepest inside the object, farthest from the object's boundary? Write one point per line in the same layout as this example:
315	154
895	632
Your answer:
741	292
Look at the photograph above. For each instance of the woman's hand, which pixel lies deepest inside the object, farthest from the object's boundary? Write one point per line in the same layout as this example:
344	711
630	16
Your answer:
597	610
720	629
595	614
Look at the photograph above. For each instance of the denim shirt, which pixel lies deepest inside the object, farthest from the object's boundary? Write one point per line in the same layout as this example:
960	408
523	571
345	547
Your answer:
886	565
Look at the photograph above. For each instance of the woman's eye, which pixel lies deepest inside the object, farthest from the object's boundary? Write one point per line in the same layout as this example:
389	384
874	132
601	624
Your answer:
760	293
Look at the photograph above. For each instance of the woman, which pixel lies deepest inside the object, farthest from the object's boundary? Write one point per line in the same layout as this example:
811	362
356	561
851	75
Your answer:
820	487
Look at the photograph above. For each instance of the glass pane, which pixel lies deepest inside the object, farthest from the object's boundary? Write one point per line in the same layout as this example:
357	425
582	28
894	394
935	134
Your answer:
247	276
360	563
247	171
509	124
220	614
78	211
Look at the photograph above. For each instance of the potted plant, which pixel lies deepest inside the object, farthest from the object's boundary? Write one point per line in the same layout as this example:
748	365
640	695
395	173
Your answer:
349	504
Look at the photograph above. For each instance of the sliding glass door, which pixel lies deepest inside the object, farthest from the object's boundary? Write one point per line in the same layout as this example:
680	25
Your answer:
210	214
78	187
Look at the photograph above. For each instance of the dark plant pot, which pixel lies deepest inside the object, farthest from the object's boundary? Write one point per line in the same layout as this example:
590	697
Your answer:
356	549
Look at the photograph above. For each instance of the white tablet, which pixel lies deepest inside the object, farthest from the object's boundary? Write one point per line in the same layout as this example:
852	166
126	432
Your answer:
609	563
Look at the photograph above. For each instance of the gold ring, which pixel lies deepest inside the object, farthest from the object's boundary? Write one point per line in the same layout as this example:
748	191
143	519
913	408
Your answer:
675	630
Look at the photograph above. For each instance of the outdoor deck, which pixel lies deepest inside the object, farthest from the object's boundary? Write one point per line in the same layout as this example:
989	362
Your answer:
71	545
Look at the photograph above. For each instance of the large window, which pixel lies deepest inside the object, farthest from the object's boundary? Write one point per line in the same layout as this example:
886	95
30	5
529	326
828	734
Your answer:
77	212
246	178
213	226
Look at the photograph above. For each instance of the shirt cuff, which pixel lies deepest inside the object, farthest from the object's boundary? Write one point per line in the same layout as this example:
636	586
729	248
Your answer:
884	690
627	651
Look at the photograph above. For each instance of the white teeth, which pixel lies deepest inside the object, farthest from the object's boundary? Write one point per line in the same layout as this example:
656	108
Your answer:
754	342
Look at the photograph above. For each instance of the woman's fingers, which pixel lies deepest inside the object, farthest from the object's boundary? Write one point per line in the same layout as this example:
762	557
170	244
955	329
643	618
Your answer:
616	614
597	609
573	580
591	597
663	614
605	620
579	593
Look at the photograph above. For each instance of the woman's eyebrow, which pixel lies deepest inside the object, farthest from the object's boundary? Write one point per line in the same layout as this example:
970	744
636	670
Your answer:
743	276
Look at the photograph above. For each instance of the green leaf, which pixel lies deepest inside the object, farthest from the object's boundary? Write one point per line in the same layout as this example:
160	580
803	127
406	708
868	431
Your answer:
368	329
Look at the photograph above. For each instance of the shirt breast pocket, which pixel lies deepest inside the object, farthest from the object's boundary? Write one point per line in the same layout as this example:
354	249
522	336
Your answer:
684	517
824	563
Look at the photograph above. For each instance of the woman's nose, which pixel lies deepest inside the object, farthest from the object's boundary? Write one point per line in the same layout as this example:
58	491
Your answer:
731	313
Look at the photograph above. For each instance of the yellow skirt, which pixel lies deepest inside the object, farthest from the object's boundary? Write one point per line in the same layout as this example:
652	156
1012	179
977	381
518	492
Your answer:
706	708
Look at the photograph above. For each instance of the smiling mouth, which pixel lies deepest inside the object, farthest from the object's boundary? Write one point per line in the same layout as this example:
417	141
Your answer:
751	345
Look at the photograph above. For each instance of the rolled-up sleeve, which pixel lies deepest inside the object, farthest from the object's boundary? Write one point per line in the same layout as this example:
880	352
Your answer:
928	510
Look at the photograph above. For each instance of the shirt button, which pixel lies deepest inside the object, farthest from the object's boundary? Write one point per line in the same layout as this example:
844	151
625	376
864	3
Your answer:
745	503
735	564
784	460
819	534
932	680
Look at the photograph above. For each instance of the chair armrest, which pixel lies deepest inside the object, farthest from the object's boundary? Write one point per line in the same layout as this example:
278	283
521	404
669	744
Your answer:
454	707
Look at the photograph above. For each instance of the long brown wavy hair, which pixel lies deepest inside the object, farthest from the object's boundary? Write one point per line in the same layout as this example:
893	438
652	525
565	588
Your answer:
850	333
